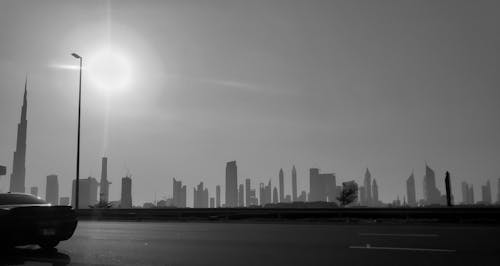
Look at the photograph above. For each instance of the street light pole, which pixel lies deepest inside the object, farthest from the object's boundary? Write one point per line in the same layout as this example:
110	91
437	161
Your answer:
77	181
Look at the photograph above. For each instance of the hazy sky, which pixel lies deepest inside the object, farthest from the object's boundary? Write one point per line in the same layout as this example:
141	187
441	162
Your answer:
339	85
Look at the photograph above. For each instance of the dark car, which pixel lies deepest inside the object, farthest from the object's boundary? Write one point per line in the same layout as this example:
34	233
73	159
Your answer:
26	219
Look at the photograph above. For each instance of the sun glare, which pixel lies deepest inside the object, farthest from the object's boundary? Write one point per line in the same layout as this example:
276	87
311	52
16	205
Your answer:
109	70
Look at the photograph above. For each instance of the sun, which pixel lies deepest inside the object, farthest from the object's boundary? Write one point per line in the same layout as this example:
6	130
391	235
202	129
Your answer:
109	70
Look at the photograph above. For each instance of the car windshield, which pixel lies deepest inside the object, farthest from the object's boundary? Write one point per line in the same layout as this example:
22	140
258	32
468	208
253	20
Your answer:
12	199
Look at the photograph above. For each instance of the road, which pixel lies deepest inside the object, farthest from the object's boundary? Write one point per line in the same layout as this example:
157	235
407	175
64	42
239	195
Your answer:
148	243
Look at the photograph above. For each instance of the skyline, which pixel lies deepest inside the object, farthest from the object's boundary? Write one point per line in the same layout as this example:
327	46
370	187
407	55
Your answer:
334	85
430	191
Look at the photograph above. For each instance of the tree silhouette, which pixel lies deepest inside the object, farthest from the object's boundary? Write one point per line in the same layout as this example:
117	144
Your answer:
348	194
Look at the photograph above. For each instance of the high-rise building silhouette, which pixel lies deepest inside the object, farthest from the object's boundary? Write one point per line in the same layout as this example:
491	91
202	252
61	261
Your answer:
126	195
322	186
303	196
179	194
449	196
410	190
34	191
18	176
87	195
200	196
104	193
217	196
486	193
265	193
282	185
275	195
52	190
431	194
294	184
250	197
375	200
212	202
367	183
498	191
64	201
231	184
471	194
241	198
465	193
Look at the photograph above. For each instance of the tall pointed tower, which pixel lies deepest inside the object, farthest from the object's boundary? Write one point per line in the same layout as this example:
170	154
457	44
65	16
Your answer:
18	176
104	193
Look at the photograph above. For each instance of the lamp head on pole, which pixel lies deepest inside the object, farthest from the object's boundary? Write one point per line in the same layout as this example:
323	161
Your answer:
76	56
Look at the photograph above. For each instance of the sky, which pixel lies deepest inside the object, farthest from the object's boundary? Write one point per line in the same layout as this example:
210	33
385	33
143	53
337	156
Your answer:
338	85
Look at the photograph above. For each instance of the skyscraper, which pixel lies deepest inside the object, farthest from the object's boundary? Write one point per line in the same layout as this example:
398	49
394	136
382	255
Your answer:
368	187
294	184
87	195
34	191
247	192
231	184
18	176
471	194
275	195
431	194
375	200
217	196
498	191
126	195
486	193
52	190
410	190
465	193
241	198
322	186
200	196
282	185
179	194
265	193
104	193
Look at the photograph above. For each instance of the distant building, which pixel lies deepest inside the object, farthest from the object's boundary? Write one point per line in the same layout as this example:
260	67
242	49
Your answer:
104	193
282	185
410	190
231	184
375	200
52	190
64	201
498	191
217	196
322	186
367	182
471	194
87	192
126	195
3	170
18	176
362	196
302	197
250	197
265	193
275	195
200	196
486	193
294	184
431	193
212	202
34	191
179	194
241	196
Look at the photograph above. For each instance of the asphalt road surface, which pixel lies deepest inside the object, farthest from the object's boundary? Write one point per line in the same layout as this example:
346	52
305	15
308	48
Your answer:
148	243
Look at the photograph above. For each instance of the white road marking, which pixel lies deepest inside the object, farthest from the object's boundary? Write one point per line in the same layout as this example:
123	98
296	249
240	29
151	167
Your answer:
405	249
399	235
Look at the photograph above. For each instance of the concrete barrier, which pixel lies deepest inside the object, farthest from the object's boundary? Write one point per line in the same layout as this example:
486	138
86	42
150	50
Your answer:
453	215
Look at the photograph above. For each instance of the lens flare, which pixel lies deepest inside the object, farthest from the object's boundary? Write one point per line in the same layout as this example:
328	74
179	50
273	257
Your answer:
109	70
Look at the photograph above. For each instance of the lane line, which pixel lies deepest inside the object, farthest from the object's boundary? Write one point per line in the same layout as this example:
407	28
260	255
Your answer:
399	235
405	249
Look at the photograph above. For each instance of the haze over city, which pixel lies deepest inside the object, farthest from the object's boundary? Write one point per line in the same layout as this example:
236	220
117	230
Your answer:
337	85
